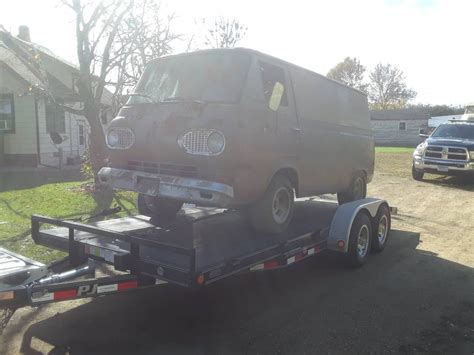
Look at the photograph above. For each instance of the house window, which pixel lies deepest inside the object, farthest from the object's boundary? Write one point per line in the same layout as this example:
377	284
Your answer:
82	140
402	126
7	113
271	75
55	118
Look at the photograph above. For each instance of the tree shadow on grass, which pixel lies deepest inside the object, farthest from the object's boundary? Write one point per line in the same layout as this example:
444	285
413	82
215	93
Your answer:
20	180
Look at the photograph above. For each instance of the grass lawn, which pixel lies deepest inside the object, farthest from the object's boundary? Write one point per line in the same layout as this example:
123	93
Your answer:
65	200
394	149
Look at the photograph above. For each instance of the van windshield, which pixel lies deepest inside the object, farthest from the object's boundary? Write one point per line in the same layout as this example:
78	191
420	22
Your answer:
203	77
459	131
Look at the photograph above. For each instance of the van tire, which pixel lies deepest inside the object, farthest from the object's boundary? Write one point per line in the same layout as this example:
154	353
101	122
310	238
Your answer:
158	207
417	174
356	191
273	213
361	229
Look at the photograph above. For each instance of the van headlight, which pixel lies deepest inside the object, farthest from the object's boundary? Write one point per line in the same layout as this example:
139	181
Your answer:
120	138
202	142
216	142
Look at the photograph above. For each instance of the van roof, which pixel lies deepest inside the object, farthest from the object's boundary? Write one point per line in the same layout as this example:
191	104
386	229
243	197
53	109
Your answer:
255	52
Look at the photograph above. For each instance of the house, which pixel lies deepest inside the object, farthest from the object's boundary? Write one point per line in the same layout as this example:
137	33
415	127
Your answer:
398	127
35	129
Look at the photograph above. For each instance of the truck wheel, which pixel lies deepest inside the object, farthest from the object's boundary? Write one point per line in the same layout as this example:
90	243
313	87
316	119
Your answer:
417	174
381	229
356	191
159	207
359	240
273	213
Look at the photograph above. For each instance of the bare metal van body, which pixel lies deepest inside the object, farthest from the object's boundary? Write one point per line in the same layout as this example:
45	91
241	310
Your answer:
215	127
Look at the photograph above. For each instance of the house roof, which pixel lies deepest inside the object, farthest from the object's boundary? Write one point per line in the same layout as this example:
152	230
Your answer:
404	114
17	54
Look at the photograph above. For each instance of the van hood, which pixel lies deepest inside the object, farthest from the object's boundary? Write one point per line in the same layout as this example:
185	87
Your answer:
157	128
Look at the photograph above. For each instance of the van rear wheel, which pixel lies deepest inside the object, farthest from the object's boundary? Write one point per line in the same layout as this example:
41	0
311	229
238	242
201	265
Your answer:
159	207
356	191
273	213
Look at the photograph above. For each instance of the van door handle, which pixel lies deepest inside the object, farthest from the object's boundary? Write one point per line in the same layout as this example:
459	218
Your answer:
296	129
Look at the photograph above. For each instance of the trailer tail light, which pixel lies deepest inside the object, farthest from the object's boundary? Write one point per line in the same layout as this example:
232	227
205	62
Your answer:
200	280
7	295
341	244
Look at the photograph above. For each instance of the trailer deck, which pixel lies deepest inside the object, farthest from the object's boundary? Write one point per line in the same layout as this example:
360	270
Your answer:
201	246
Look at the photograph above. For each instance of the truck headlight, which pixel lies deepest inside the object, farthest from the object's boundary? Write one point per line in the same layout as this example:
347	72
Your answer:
120	138
420	149
471	154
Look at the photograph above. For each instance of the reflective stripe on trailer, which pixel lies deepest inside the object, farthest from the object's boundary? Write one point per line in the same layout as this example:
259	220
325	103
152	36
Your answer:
78	291
272	264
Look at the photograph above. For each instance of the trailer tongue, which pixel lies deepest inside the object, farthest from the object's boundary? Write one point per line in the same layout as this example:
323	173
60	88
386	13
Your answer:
200	247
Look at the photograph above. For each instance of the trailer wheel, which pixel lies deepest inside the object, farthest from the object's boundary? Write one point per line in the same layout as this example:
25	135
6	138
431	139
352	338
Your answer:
381	229
356	191
417	174
359	240
159	207
273	213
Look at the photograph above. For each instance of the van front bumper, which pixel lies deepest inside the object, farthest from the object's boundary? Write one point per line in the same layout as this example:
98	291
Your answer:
197	191
442	166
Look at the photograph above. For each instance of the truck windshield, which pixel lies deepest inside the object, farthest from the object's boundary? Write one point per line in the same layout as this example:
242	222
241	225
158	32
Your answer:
470	109
203	77
459	131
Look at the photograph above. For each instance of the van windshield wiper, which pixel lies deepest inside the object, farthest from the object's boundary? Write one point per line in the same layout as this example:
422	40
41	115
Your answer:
142	95
183	99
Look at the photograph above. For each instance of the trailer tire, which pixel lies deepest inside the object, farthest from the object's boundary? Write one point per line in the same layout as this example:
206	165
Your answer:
356	191
381	229
359	240
273	213
158	207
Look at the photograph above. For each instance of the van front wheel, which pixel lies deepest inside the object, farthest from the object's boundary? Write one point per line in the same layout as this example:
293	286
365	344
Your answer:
273	213
159	207
356	191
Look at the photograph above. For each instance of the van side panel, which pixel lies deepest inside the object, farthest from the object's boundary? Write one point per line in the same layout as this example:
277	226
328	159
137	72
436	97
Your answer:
336	136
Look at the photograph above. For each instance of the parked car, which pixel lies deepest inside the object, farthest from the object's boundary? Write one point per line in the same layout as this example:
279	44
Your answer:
236	128
449	150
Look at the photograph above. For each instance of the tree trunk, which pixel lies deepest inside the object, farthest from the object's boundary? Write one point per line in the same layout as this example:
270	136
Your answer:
97	147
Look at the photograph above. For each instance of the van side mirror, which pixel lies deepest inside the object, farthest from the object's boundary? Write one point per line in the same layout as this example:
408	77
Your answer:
277	94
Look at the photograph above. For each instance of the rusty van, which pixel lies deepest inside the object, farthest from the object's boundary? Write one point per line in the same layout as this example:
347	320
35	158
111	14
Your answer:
235	128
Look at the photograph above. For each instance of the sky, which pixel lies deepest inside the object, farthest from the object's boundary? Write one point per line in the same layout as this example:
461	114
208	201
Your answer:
432	41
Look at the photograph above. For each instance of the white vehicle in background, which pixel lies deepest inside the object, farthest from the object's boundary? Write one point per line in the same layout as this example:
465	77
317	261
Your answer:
469	113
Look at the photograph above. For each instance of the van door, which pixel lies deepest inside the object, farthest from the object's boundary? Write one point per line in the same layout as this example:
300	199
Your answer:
279	98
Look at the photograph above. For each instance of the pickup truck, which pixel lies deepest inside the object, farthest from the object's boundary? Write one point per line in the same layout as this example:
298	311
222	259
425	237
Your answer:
449	150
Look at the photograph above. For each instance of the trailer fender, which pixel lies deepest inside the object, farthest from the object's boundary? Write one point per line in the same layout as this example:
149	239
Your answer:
341	223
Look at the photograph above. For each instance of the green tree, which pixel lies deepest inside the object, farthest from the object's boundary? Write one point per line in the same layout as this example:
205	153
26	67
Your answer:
349	72
387	88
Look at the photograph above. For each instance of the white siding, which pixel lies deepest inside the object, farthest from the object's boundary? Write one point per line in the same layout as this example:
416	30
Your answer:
23	141
70	147
387	132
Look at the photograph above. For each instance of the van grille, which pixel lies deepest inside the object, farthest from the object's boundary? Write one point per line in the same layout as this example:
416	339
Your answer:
163	169
446	153
195	142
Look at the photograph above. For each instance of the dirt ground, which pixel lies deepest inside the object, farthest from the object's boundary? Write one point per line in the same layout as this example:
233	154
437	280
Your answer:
415	297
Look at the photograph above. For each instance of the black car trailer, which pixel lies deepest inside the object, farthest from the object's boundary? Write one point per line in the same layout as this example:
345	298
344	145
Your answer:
201	246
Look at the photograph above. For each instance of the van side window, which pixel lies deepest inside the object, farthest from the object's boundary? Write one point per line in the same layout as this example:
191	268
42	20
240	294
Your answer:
271	75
